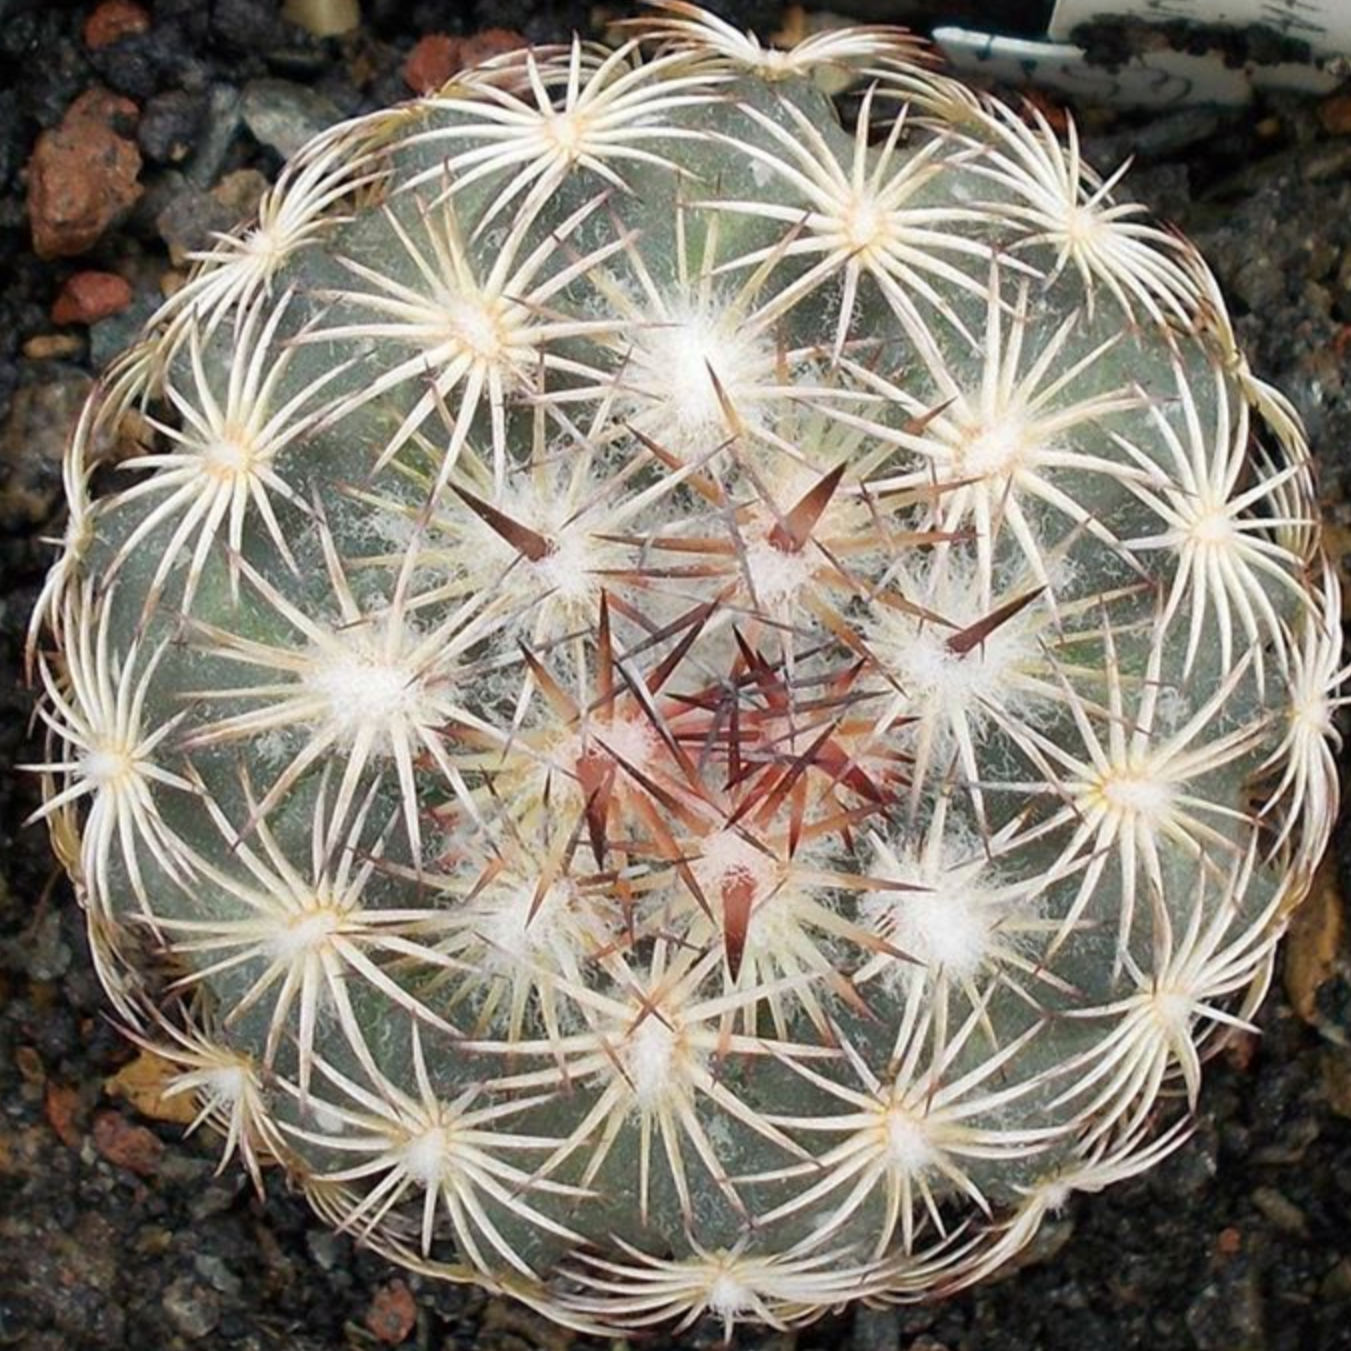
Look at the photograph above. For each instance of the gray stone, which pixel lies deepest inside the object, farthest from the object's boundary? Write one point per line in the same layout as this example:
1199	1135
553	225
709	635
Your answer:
111	337
193	1309
169	126
325	1248
283	115
876	1329
40	953
33	441
214	1270
1228	1313
191	221
219	128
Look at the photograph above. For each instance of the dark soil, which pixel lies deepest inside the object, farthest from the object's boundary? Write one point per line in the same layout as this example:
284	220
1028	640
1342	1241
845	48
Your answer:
115	1230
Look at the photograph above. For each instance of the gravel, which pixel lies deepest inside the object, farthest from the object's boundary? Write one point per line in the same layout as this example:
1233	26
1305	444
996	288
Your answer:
114	1229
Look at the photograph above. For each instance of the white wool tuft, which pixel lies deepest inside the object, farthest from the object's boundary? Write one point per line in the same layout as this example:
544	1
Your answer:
363	691
669	376
651	1061
424	1156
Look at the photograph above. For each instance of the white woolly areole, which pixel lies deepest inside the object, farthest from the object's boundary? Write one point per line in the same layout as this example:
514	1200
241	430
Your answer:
306	932
995	449
108	766
948	922
928	668
778	576
425	1156
728	1297
224	1086
266	247
652	1059
631	742
669	381
228	457
1137	795
513	934
1055	1196
572	571
364	691
907	1142
919	655
946	929
477	328
568	570
1311	708
1213	526
725	858
1172	1010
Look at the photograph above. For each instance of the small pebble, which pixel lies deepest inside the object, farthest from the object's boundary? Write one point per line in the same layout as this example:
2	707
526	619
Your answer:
82	176
392	1314
88	297
1336	1285
1331	160
876	1329
32	443
323	18
61	1105
1228	1314
1281	1211
326	1248
112	21
193	1309
240	192
284	116
30	1065
220	126
128	1146
431	63
169	126
111	336
215	1271
437	56
1335	114
51	346
1335	1062
250	25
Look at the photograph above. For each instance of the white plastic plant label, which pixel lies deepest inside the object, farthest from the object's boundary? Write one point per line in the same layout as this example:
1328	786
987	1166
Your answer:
1272	44
1325	25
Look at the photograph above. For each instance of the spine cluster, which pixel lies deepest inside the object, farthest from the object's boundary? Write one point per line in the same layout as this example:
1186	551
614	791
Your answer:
682	707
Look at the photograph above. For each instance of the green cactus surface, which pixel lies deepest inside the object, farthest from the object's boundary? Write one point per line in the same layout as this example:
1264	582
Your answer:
685	695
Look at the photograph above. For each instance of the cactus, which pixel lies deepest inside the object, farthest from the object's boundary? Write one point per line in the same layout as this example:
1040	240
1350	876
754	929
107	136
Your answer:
680	706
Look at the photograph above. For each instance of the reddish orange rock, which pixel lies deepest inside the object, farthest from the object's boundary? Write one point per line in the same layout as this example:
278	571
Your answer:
393	1313
487	44
131	1147
112	21
437	57
431	63
61	1103
1335	114
82	176
88	297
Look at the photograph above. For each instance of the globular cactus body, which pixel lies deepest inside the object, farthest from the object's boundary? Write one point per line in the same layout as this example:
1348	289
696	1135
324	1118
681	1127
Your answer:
680	708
